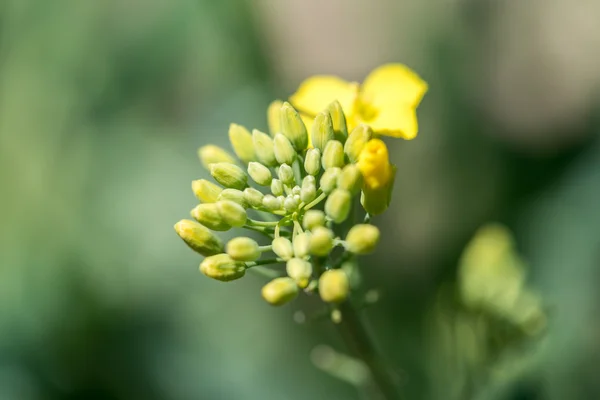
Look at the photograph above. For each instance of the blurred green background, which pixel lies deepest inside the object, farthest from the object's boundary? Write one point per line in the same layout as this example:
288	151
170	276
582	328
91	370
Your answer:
103	105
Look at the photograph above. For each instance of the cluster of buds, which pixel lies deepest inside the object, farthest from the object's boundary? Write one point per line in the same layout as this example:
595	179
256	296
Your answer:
297	186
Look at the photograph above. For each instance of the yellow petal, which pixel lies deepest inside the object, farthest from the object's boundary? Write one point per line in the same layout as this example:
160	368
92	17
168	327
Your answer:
396	120
317	92
393	83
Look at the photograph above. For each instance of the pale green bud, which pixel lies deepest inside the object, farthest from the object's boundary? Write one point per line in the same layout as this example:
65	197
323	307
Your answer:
280	291
234	195
322	130
356	141
241	141
362	238
243	249
286	174
296	190
253	197
312	162
301	244
338	205
283	248
222	268
259	173
321	241
229	175
329	179
333	156
198	237
205	191
276	187
299	270
309	189
334	286
293	127
208	215
350	179
284	151
338	119
211	154
281	199
273	117
232	213
312	219
290	203
263	147
272	203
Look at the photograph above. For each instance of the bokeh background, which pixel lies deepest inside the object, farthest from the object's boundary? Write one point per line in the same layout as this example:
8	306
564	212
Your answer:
103	105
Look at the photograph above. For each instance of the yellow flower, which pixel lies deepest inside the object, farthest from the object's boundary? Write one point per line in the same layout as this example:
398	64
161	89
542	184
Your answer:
386	101
374	164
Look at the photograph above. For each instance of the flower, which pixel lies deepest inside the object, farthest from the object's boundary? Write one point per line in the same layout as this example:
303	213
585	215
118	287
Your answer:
386	101
374	164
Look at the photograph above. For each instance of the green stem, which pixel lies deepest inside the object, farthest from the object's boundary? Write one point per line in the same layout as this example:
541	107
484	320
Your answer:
261	223
265	272
316	201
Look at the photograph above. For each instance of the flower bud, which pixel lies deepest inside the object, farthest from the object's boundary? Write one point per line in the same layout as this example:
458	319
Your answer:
321	241
284	151
198	237
276	187
291	203
208	215
234	195
329	179
312	162
283	248
205	191
229	175
263	147
356	141
286	174
312	219
232	213
334	286
253	197
241	141
309	189
374	164
299	270
211	154
338	118
272	203
243	249
273	117
222	268
296	190
301	244
338	205
280	291
259	173
322	131
333	156
362	238
293	127
350	179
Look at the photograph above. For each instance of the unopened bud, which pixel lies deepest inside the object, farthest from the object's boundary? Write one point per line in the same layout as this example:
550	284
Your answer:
211	154
291	203
356	141
329	179
280	291
241	141
273	117
312	219
309	189
321	241
229	175
234	195
232	213
334	286
259	173
350	179
362	238
293	127
284	151
296	190
338	118
333	156
243	249
301	244
222	268
283	248
338	205
263	147
253	197
206	191
299	270
322	131
272	203
286	174
208	215
312	161
198	237
276	187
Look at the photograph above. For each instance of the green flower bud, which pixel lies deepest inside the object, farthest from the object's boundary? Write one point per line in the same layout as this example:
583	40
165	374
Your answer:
232	213
205	191
263	147
338	119
234	195
356	141
338	205
293	127
309	189
350	179
276	187
208	215
321	241
290	203
259	173
300	271
241	141
211	154
283	248
273	117
296	190
312	162
243	249
301	244
333	156
272	203
229	175
329	179
284	151
280	291
286	174
222	268
312	219
376	201
253	197
322	131
198	237
334	286
362	238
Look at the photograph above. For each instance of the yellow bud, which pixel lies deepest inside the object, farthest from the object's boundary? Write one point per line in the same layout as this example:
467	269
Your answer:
374	164
229	175
376	201
232	213
259	173
312	162
284	151
301	244
312	219
222	268
198	237
208	215
362	238
234	195
253	197
356	141
205	191
333	156
283	248
338	119
322	131
241	141
338	205
329	179
211	154
321	241
299	270
263	147
350	179
243	249
280	291
273	117
334	286
293	127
